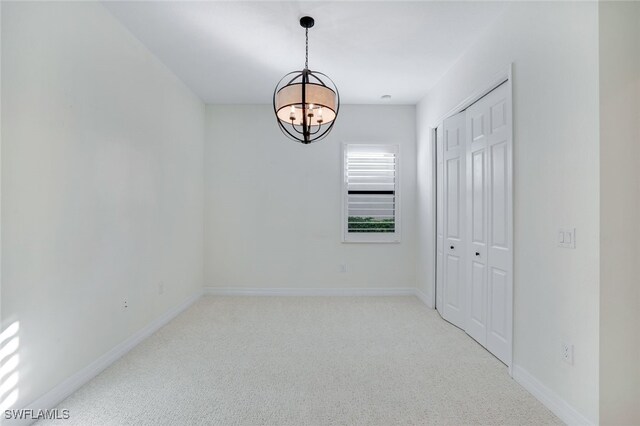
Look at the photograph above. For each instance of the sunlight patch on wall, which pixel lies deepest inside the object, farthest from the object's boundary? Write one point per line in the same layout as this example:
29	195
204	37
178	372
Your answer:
9	363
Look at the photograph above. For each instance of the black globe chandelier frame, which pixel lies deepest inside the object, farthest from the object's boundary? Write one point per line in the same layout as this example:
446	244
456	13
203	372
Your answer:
306	78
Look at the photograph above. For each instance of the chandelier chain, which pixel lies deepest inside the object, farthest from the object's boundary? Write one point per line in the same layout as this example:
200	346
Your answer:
306	51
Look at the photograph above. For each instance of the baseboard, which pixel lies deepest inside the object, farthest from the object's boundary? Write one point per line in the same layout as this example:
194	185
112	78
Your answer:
423	297
56	395
549	398
351	291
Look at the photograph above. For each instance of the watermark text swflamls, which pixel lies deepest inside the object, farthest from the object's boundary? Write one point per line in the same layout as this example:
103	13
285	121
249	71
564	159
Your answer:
30	414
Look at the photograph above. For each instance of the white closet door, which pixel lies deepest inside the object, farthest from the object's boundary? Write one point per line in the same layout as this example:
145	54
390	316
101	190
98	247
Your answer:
476	314
489	213
499	244
453	309
439	216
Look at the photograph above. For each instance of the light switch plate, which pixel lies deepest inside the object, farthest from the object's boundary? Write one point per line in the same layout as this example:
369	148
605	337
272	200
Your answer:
566	352
567	238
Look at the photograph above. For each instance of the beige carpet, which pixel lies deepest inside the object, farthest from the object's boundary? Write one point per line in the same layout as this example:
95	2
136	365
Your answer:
306	361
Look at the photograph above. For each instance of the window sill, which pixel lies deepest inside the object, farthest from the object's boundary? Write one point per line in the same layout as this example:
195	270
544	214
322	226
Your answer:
369	238
371	242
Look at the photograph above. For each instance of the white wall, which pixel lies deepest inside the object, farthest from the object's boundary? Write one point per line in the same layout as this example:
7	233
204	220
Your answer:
273	206
554	51
1	323
102	181
619	213
425	205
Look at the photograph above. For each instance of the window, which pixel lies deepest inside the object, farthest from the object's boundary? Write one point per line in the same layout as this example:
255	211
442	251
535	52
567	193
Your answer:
371	194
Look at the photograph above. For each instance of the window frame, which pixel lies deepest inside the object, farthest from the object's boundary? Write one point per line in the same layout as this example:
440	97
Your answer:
373	237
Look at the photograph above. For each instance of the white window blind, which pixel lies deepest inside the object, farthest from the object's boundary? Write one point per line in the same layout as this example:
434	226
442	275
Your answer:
371	197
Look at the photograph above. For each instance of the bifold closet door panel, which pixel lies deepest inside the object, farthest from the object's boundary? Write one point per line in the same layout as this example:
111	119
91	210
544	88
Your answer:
499	203
476	314
439	216
488	191
454	288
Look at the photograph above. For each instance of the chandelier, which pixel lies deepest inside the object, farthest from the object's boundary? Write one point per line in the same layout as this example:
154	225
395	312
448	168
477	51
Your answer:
306	102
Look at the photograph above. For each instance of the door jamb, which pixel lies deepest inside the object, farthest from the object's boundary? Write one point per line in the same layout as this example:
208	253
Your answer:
434	208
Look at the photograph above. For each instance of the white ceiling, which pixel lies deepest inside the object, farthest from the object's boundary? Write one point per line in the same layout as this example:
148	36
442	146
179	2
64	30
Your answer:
235	52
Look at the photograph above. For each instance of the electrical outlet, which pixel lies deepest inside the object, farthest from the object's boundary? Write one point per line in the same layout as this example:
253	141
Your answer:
343	268
161	288
566	352
126	305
